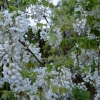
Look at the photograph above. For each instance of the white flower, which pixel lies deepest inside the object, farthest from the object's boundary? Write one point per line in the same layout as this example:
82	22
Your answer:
13	77
19	78
9	72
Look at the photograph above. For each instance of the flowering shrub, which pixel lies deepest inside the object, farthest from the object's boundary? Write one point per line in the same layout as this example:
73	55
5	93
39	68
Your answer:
53	61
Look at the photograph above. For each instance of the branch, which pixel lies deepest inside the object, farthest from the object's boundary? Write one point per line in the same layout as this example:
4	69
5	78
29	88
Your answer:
3	55
77	57
98	42
79	79
99	63
7	3
30	52
0	7
85	60
46	19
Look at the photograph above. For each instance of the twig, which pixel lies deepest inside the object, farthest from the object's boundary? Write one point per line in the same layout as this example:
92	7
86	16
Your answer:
77	57
46	20
3	55
85	60
7	3
30	52
98	58
99	63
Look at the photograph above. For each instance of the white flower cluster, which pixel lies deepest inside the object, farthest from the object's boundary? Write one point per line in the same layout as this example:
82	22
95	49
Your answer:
36	51
79	8
97	85
91	36
35	29
85	58
81	86
42	82
13	53
61	78
58	35
80	27
56	38
44	34
38	12
14	26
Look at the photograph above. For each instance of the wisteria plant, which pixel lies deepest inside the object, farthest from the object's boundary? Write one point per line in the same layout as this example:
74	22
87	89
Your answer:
59	60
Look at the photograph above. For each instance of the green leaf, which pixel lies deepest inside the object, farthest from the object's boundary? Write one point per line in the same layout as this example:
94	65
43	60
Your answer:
33	1
54	88
71	3
23	1
62	90
0	2
63	43
40	25
25	73
45	3
11	8
49	67
12	1
90	19
96	32
80	94
51	5
34	76
11	96
5	94
69	62
65	90
53	38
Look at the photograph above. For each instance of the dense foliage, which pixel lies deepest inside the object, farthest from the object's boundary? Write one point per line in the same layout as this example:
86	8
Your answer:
59	60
